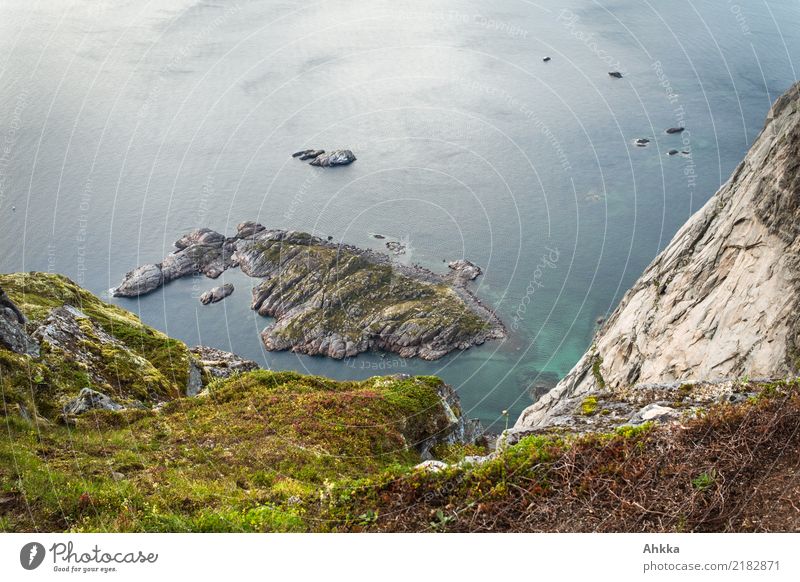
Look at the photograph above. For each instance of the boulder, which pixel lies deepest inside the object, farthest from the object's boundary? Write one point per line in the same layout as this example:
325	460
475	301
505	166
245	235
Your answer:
12	329
89	399
216	294
465	270
675	130
615	74
334	158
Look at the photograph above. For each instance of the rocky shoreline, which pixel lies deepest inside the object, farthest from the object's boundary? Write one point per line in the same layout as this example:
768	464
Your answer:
331	299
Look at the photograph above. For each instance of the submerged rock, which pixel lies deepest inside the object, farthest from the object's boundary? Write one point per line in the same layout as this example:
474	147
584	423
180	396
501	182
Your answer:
216	294
615	74
334	158
89	399
675	130
673	152
546	59
641	142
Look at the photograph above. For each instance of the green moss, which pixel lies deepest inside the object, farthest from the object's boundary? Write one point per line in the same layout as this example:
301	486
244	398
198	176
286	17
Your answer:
151	367
589	406
597	361
247	457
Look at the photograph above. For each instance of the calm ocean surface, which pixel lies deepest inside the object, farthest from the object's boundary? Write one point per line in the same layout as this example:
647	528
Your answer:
125	124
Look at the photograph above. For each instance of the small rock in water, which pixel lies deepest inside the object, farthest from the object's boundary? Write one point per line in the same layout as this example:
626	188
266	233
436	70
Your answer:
673	152
216	294
675	129
465	270
615	74
396	247
641	142
546	59
335	158
378	236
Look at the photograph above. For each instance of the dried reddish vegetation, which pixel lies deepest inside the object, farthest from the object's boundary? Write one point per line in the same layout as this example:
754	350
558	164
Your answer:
735	468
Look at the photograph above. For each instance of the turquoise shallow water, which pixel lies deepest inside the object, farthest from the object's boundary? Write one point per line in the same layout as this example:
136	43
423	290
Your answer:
123	128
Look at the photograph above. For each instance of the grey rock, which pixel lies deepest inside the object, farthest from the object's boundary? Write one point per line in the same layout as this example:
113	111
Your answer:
615	74
334	158
675	130
201	251
221	364
13	335
655	413
140	281
89	399
465	270
195	383
431	466
216	294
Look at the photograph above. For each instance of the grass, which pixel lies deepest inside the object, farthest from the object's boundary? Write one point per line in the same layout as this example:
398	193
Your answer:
238	459
731	469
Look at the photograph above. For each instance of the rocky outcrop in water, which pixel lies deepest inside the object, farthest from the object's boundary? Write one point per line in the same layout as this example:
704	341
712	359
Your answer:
719	303
465	270
337	300
334	158
216	294
326	160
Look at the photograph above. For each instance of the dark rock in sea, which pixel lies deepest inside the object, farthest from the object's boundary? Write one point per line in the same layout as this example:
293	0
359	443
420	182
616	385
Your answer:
89	399
673	152
334	158
546	59
378	236
641	142
675	130
339	301
312	154
216	294
615	74
307	154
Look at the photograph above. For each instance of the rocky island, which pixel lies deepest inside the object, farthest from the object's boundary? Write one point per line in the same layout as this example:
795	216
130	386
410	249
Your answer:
331	299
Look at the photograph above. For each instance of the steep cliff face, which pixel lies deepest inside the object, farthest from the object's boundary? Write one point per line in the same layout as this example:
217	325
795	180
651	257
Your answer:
721	301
